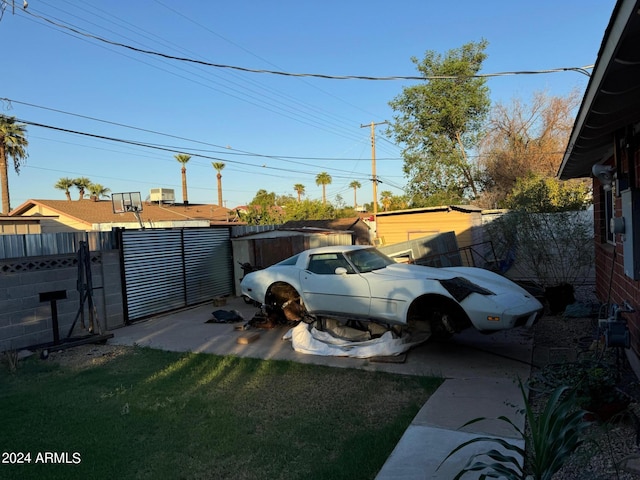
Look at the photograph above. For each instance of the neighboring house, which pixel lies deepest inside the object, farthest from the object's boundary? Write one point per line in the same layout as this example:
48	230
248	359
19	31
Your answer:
361	231
97	215
405	225
605	143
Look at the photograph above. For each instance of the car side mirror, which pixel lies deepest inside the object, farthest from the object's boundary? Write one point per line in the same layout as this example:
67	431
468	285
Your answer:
340	271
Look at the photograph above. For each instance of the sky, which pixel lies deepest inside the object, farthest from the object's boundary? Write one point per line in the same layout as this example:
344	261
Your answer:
96	107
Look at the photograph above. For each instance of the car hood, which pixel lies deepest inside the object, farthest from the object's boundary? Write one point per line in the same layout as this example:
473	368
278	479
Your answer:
484	278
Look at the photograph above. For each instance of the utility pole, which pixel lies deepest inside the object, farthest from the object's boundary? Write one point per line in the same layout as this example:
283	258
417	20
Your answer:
374	177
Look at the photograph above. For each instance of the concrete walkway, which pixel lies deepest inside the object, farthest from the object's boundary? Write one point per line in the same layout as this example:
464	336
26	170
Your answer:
481	373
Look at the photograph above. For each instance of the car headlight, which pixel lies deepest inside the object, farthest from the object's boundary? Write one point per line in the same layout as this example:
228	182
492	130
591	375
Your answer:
460	288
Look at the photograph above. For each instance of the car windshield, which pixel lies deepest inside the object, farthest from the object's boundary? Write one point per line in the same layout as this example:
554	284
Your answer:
368	259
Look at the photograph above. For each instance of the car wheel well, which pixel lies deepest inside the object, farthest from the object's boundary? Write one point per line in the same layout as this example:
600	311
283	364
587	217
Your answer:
284	300
440	315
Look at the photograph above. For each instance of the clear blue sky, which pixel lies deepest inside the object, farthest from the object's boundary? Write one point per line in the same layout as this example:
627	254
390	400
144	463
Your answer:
272	131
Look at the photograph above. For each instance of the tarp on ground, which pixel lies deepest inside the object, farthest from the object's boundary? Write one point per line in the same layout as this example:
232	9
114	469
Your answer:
306	338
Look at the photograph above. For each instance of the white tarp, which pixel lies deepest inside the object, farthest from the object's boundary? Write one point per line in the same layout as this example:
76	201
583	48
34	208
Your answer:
306	338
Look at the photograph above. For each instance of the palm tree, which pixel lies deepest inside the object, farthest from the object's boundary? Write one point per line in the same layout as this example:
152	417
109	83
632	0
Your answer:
355	185
299	188
65	183
81	184
385	198
96	190
219	166
324	179
13	143
183	158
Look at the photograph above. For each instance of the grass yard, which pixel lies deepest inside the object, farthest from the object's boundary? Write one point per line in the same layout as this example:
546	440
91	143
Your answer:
161	415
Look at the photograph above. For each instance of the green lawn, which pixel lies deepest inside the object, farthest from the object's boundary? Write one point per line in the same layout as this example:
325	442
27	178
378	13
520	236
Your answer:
162	415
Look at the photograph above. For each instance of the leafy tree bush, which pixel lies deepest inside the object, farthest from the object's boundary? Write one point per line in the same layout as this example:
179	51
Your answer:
309	210
538	194
555	433
548	231
437	122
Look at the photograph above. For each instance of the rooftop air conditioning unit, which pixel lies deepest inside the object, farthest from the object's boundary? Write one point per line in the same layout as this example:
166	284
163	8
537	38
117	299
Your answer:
162	195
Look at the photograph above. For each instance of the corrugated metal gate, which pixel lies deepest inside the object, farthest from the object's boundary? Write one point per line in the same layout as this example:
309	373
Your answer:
168	269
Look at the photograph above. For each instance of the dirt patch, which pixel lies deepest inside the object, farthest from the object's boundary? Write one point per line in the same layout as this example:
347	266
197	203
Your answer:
86	356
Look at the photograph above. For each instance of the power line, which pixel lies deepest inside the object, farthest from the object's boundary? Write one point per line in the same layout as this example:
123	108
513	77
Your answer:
226	149
282	104
170	149
583	70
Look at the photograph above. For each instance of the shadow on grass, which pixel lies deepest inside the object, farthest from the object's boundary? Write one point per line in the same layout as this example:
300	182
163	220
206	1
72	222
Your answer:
156	414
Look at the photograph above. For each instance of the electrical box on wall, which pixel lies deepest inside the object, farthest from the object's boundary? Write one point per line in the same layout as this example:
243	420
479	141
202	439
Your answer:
631	236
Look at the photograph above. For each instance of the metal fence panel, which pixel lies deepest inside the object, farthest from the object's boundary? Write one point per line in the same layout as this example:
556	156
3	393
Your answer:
208	264
60	243
173	268
153	271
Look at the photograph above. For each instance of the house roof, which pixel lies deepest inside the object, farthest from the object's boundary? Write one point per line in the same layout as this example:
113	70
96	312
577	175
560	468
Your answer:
612	98
335	224
101	211
443	208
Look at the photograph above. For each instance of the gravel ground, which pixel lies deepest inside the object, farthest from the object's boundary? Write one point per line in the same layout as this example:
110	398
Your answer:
612	449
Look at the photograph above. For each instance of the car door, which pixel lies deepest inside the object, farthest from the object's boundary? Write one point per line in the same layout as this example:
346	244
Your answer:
325	291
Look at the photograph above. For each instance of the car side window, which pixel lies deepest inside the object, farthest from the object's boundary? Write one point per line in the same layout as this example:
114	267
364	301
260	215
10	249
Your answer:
326	263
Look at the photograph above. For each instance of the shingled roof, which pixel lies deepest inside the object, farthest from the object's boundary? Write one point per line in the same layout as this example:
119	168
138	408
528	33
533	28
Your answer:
333	224
101	211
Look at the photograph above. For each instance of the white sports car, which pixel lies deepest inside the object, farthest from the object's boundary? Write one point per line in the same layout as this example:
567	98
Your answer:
361	283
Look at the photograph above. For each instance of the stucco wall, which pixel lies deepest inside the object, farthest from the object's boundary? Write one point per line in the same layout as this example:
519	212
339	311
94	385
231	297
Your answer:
410	225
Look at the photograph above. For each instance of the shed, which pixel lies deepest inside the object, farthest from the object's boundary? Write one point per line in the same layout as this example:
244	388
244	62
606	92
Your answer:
361	231
405	225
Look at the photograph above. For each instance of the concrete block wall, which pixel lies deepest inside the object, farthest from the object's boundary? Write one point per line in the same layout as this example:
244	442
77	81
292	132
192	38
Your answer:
25	321
111	296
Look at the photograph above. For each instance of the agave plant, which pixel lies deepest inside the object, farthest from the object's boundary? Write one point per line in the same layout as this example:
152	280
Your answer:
555	433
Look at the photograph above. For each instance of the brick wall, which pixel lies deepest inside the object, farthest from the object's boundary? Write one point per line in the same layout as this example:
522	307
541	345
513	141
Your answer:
612	285
25	321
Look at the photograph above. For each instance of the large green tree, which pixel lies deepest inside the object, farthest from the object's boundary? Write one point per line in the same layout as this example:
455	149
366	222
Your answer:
263	209
13	144
439	121
309	210
324	179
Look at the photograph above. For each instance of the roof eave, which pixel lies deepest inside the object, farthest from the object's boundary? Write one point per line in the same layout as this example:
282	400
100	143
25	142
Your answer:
591	139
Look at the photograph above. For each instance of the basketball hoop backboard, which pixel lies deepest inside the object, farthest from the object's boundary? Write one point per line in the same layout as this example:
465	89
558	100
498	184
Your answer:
126	202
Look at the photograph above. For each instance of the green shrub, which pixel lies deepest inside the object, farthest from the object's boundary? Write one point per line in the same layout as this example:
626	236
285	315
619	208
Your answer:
555	433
